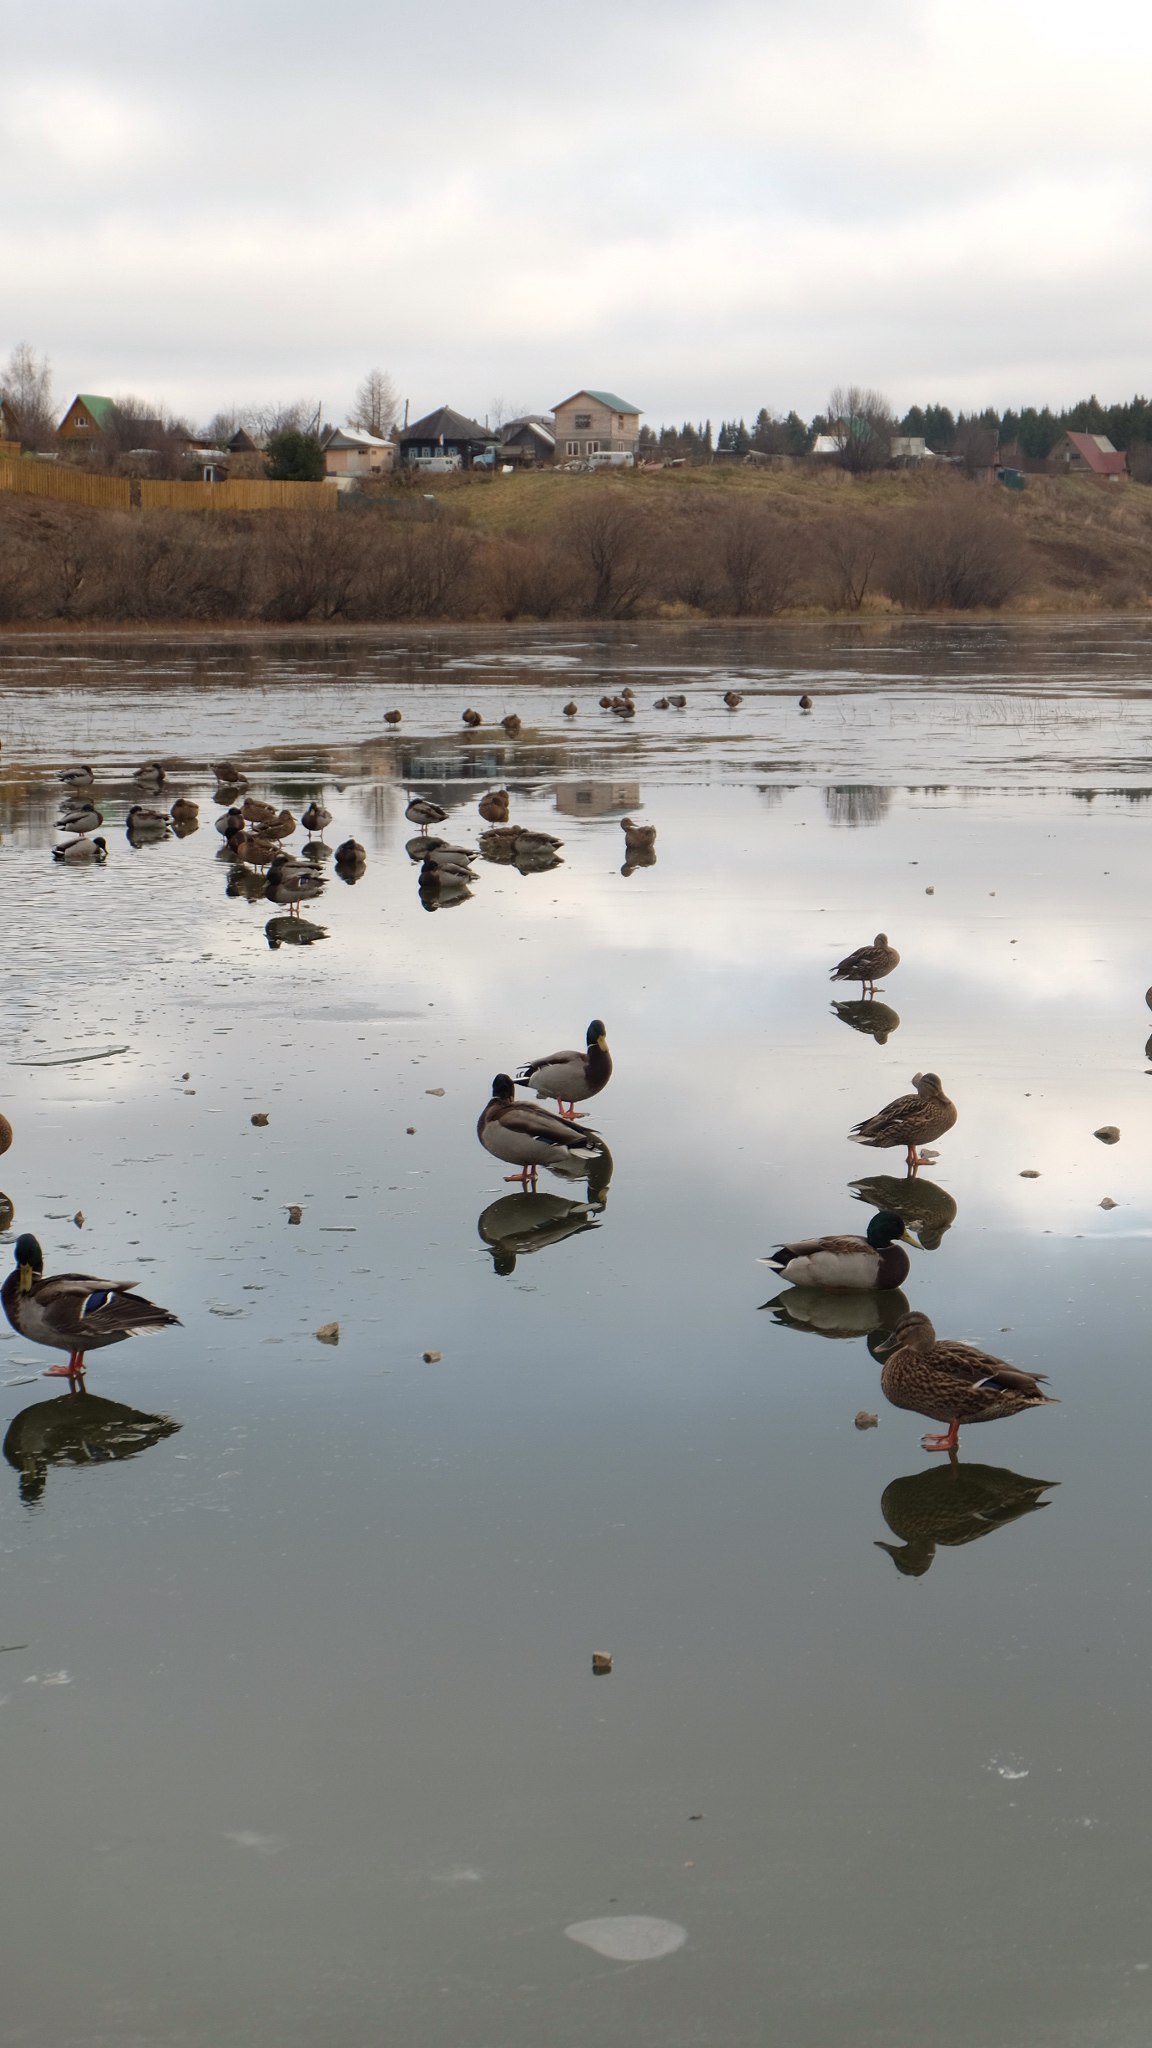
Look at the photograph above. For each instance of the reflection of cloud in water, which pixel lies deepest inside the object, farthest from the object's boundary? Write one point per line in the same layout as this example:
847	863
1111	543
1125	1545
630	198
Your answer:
828	1312
77	1429
950	1505
857	803
928	1210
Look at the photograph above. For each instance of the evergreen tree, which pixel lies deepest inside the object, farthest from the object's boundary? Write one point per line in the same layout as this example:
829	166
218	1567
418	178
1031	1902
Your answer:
797	439
914	422
295	457
741	439
939	428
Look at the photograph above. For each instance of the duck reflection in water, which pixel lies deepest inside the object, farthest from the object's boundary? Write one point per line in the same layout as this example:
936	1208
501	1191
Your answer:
518	1224
292	931
825	1313
876	1020
949	1505
927	1210
77	1429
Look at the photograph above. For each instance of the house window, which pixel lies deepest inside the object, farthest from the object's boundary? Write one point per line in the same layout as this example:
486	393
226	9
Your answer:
583	419
571	447
593	448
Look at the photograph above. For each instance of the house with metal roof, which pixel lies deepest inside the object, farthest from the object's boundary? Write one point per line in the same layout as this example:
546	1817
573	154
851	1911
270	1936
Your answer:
86	418
528	442
353	451
447	437
1089	455
596	423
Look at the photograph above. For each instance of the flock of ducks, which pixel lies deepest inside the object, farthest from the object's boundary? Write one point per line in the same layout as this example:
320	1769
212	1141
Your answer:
947	1381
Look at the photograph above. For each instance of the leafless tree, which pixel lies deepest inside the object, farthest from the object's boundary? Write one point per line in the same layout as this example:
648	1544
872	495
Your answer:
861	424
958	553
850	545
758	557
376	404
26	383
607	541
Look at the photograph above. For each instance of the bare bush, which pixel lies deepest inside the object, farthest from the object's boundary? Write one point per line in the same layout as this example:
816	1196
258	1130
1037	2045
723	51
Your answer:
527	579
414	568
862	424
848	549
313	562
957	554
606	538
758	558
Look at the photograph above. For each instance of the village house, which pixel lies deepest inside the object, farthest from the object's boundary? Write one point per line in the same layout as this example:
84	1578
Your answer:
596	423
353	452
86	419
447	438
528	443
1089	455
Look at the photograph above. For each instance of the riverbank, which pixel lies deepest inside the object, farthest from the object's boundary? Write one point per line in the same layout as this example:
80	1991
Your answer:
673	545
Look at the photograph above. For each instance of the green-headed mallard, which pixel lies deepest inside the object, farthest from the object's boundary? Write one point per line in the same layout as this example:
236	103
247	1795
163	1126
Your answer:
78	778
911	1120
151	776
518	1224
952	1382
420	810
876	1260
72	1312
571	1077
928	1210
524	1135
82	850
81	818
868	964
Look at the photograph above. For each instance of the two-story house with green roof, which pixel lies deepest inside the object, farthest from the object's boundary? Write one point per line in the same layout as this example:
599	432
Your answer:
86	419
596	423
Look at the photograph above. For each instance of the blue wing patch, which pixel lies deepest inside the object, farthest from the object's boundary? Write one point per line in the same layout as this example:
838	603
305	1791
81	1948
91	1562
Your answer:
97	1300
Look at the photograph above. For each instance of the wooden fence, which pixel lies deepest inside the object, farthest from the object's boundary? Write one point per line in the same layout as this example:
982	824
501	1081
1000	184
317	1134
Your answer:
243	494
75	486
9	451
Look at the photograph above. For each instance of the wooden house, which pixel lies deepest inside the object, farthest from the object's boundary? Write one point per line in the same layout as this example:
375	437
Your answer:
447	439
529	442
596	423
1089	455
352	451
86	419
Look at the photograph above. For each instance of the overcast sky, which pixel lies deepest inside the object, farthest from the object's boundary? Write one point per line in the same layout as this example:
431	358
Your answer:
704	207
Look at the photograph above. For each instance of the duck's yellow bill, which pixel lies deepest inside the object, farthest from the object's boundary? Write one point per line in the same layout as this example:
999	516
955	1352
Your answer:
27	1279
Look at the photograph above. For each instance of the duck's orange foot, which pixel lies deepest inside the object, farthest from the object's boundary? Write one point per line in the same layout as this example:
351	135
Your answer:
947	1442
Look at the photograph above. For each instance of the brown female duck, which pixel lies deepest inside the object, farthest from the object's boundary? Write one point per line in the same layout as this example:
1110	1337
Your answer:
952	1382
868	964
911	1120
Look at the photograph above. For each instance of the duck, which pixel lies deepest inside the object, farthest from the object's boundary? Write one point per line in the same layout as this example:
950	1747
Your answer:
868	964
256	811
571	1077
439	854
289	883
805	702
471	718
393	717
605	703
144	824
526	1136
82	850
512	724
252	849
77	778
570	710
229	821
877	1260
292	931
733	699
494	806
420	810
350	854
637	838
228	775
185	812
444	888
660	704
85	818
678	703
151	776
952	1382
5	1133
280	825
911	1120
73	1312
315	818
625	708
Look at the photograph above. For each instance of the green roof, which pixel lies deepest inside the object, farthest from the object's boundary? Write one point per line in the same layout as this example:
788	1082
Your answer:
607	398
100	408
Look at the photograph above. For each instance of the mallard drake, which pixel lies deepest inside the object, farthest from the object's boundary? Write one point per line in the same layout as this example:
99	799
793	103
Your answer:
512	724
151	776
82	850
229	821
289	883
76	777
911	1120
571	1077
393	717
733	699
927	1210
471	718
72	1312
876	1260
624	707
868	964
570	710
637	838
493	806
184	811
420	810
315	818
144	824
952	1382
529	1137
952	1505
85	818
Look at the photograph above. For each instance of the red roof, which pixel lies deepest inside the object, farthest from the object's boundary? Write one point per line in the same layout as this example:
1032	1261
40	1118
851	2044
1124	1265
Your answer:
1097	451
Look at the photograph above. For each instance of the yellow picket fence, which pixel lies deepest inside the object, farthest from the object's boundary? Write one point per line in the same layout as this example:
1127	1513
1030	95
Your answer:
242	494
72	486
